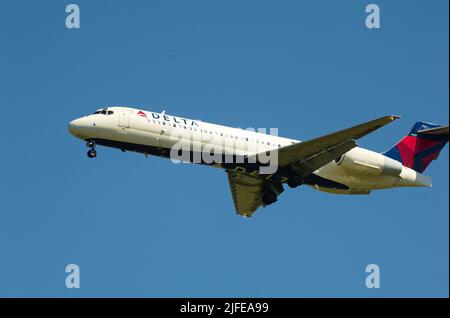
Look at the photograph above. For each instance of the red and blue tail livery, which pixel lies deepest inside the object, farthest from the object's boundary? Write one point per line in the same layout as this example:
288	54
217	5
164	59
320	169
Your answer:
421	146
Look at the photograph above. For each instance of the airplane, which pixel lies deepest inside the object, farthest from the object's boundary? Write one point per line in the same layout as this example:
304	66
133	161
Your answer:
331	163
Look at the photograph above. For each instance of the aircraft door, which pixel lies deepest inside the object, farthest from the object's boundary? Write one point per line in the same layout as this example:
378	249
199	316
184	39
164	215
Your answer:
124	119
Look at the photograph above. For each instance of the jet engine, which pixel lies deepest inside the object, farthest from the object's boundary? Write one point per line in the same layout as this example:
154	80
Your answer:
369	162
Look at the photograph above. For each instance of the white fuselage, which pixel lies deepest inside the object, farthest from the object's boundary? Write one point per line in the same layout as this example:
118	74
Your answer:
361	170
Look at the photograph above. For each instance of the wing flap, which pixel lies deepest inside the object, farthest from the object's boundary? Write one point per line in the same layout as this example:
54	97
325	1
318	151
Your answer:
246	192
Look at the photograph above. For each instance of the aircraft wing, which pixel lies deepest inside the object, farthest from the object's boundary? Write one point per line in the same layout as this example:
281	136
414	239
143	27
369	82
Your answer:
246	192
308	156
304	157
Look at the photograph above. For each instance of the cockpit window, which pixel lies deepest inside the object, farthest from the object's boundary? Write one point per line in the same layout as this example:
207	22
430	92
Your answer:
104	111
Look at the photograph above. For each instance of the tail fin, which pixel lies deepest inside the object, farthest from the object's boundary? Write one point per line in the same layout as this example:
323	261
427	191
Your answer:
421	146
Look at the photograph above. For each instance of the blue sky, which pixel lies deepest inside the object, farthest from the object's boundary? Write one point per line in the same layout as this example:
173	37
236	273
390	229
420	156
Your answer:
141	226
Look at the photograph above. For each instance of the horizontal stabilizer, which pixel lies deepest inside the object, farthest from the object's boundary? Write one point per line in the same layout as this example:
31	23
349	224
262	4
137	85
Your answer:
437	131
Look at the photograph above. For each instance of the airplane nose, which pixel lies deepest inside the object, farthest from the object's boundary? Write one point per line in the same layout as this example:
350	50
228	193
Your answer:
74	126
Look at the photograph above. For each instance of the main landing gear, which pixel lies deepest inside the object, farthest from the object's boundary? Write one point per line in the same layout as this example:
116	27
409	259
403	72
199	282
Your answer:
294	181
269	197
270	192
92	153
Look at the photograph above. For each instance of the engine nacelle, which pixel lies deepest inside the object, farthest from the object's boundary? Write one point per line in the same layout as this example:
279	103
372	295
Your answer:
369	162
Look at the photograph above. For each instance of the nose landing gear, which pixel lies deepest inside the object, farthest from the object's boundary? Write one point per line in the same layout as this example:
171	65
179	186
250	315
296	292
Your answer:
92	153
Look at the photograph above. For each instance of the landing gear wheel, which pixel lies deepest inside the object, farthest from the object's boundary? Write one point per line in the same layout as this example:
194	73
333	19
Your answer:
269	197
90	144
295	181
92	153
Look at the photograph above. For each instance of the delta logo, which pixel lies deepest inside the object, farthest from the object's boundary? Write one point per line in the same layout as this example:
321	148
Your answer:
142	114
